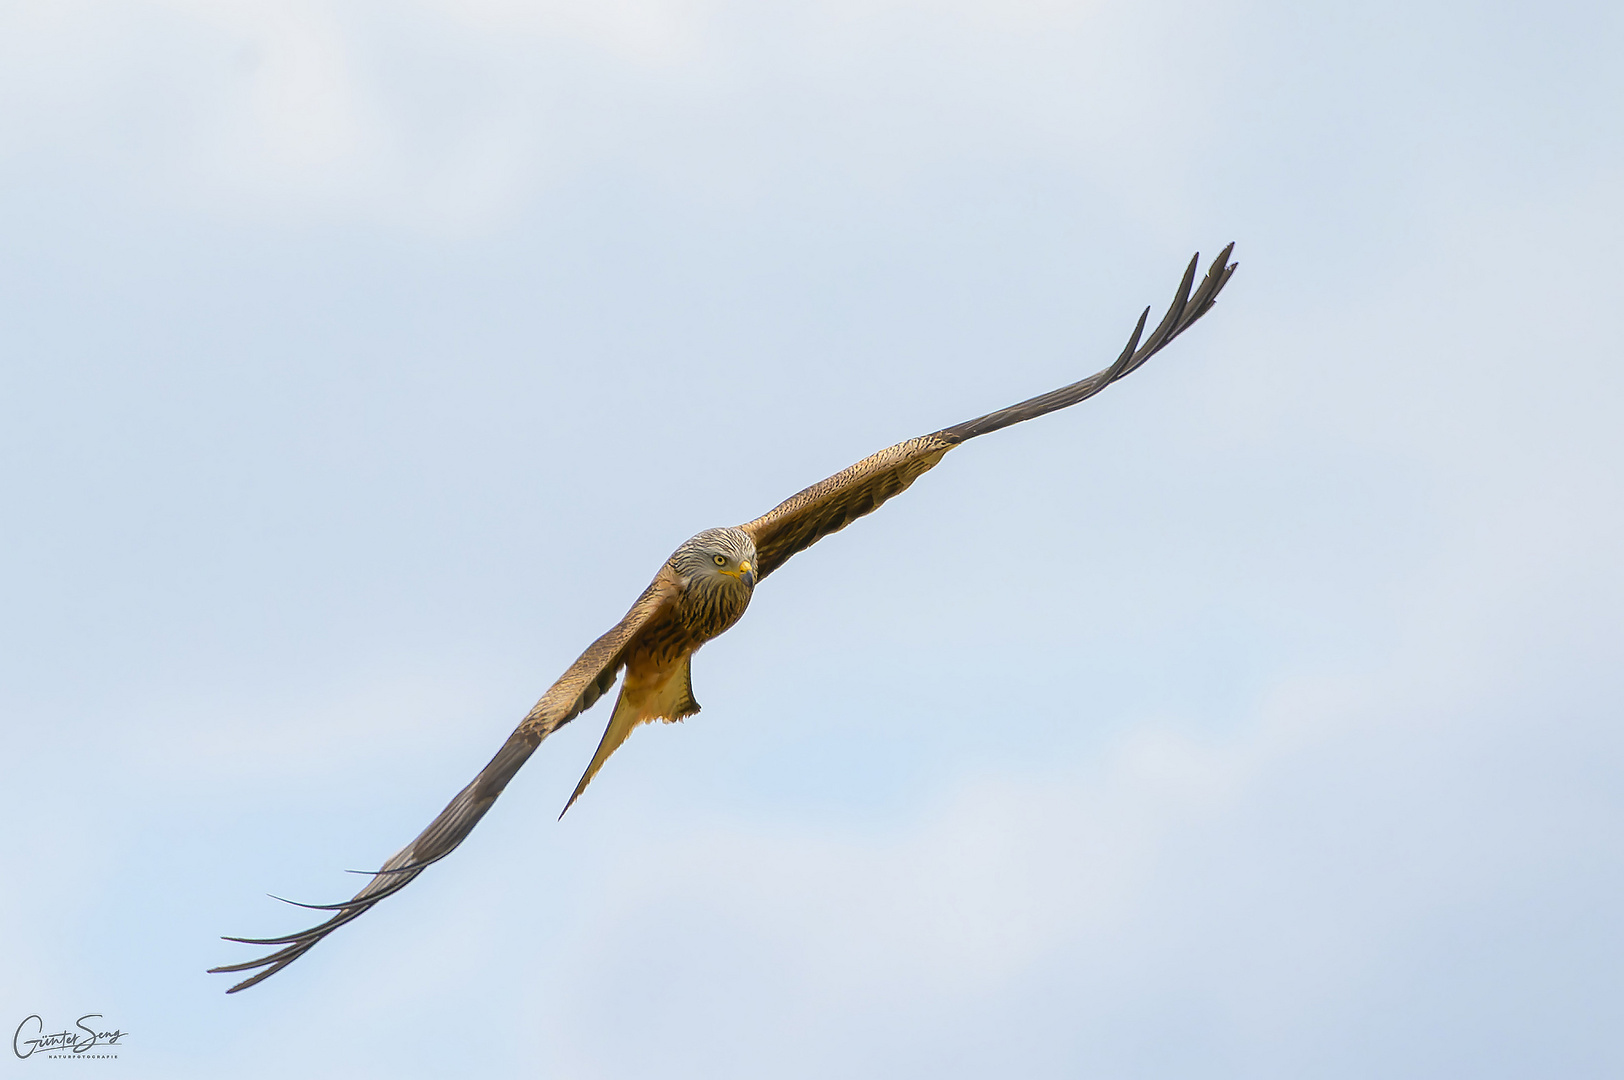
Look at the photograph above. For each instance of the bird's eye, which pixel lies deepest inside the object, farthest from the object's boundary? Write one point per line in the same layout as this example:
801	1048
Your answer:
721	560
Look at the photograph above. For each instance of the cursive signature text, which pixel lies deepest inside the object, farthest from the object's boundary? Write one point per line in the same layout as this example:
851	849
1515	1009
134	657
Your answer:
30	1037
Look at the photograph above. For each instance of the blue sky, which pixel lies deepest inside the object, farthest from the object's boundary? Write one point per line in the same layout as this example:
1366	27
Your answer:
360	363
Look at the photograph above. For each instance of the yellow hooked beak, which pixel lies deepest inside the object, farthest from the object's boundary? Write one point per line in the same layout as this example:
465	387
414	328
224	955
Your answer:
744	573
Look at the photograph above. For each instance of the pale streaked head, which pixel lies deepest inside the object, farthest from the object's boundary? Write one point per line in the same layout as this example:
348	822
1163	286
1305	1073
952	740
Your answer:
717	558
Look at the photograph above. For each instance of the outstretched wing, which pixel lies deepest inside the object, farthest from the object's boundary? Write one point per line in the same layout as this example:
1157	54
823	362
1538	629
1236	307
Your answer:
803	519
580	686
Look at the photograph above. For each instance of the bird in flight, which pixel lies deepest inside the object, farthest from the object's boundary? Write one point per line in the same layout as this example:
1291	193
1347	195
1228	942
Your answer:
700	592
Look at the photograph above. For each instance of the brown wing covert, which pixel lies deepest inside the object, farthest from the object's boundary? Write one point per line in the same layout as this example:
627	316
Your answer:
829	506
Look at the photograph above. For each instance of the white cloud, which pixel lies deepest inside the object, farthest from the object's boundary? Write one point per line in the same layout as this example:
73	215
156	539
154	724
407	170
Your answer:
297	122
447	117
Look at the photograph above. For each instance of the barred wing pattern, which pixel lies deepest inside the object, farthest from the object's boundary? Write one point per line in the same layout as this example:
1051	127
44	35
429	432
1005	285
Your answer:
807	517
585	681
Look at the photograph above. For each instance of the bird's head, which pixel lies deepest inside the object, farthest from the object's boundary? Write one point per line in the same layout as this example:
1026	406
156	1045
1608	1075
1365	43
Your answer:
717	558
